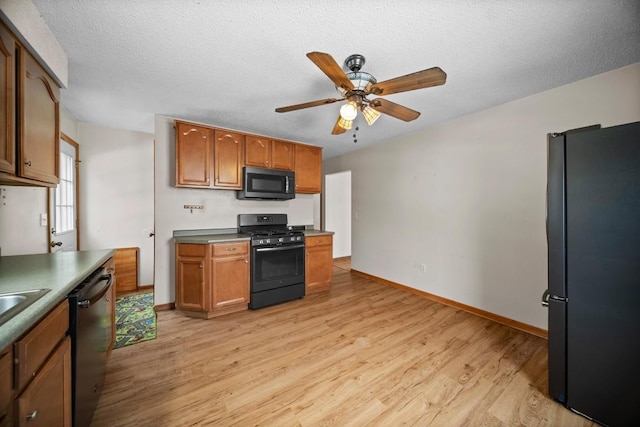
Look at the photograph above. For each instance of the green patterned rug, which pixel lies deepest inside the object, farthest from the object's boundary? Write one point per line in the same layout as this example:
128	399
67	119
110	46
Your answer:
135	319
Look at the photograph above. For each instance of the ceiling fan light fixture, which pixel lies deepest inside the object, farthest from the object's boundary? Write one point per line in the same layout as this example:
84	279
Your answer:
344	123
370	115
361	80
349	111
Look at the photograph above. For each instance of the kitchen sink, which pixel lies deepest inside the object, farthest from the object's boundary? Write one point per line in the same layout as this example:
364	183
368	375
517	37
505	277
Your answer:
14	302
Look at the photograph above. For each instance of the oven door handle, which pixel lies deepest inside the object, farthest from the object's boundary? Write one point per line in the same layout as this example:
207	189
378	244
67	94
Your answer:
279	248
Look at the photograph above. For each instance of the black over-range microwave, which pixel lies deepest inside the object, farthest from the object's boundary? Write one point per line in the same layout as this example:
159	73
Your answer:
267	184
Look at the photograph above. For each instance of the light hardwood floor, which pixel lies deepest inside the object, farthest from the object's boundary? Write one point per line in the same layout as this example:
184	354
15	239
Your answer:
361	354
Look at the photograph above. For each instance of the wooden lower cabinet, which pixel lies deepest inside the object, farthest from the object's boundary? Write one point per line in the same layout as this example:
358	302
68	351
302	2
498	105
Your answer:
212	280
43	372
126	264
47	399
6	386
318	263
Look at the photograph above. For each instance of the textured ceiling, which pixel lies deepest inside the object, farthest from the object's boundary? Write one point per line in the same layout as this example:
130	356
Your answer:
230	63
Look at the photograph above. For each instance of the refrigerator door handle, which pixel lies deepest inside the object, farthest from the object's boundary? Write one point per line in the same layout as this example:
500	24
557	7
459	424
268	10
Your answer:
545	298
546	214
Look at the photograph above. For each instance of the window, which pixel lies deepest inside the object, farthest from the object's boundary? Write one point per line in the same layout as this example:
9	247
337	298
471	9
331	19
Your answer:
64	196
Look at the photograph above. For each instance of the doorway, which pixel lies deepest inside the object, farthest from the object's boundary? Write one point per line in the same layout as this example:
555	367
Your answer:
63	201
337	212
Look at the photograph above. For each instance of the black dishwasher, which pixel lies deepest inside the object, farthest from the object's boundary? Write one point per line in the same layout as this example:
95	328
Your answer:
89	329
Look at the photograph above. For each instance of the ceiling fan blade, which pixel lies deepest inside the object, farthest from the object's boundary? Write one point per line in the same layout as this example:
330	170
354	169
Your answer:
307	105
330	67
418	80
395	110
337	129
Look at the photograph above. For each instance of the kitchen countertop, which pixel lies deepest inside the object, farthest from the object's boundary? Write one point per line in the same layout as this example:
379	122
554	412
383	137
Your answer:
61	272
311	233
209	237
212	238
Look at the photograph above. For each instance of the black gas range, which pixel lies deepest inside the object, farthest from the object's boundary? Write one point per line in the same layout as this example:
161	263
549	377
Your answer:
277	259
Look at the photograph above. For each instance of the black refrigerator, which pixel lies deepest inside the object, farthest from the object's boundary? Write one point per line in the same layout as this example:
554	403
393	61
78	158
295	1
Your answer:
593	295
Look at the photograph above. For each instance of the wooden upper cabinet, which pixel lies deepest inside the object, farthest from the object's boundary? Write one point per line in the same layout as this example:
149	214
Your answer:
193	155
282	155
257	151
7	101
39	117
29	117
207	157
228	159
268	153
308	168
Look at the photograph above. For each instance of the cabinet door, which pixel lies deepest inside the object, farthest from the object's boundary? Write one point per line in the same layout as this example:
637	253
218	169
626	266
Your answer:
7	101
228	159
34	348
319	264
230	279
191	286
193	155
282	155
47	400
308	169
6	385
39	122
257	151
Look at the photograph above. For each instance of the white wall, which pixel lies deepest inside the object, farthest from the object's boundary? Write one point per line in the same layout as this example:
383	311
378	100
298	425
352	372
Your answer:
20	230
337	203
467	198
20	209
25	21
220	209
116	192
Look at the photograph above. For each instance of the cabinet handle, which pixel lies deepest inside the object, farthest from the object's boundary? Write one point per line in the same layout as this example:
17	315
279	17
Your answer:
246	261
232	249
33	415
200	266
28	163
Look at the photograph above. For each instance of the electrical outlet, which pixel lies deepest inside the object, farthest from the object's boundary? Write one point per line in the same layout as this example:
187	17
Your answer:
423	268
44	220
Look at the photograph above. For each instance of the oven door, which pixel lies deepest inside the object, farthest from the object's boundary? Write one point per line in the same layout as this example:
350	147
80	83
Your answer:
276	266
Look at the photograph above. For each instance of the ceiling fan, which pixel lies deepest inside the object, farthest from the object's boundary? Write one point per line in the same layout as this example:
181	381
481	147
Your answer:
356	85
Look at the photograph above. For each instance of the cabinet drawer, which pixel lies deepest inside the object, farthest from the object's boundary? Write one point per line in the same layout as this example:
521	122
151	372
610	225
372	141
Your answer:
225	249
318	240
192	250
34	348
6	383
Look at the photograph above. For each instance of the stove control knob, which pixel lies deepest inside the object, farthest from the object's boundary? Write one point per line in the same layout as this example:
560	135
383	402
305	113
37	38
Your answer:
268	241
261	242
281	239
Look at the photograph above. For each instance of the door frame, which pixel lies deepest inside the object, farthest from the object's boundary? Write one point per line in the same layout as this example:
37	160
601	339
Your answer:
76	147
